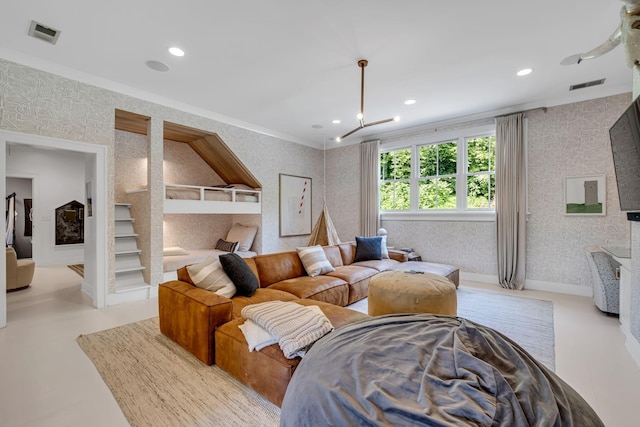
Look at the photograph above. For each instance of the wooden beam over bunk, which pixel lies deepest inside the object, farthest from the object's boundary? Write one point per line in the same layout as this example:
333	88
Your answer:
131	122
222	160
208	145
214	152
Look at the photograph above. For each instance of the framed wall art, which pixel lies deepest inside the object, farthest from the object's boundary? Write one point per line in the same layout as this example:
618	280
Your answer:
585	195
295	205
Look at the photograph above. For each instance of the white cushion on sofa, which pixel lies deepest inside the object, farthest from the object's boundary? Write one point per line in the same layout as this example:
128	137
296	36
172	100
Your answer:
314	260
210	275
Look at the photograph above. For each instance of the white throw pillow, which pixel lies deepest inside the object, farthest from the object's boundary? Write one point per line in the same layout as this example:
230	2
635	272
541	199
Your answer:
243	234
210	275
257	337
383	247
314	260
174	251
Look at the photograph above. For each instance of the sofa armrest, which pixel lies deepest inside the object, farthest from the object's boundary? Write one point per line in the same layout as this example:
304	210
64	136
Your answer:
190	315
398	255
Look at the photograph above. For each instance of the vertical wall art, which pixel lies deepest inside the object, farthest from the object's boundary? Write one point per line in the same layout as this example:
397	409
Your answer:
585	195
295	205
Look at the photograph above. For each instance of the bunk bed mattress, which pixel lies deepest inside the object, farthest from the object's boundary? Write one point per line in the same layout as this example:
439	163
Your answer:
174	262
213	195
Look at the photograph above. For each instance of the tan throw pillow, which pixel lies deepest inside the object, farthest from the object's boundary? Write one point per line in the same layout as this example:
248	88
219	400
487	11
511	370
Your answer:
243	234
314	260
210	275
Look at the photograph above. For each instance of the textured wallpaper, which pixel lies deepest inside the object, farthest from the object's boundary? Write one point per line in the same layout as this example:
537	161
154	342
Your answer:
37	102
568	140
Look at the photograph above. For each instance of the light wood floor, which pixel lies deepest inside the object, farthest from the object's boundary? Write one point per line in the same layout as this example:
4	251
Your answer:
46	380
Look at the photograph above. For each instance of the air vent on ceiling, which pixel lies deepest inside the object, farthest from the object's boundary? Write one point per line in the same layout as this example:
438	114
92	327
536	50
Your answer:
43	32
587	84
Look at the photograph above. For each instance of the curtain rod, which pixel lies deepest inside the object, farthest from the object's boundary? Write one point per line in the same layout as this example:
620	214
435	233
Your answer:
544	110
10	196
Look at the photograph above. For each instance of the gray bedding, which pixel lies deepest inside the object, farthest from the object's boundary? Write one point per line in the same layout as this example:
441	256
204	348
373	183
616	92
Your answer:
421	369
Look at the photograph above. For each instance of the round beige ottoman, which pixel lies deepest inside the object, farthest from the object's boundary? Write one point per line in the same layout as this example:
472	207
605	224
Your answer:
403	292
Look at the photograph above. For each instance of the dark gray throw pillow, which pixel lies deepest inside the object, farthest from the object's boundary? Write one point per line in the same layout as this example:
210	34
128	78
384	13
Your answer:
368	248
240	274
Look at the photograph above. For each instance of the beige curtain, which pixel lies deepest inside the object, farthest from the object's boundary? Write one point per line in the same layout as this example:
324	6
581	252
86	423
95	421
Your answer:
511	200
369	213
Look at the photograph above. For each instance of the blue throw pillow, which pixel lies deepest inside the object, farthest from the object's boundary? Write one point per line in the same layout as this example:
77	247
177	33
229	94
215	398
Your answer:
240	274
368	248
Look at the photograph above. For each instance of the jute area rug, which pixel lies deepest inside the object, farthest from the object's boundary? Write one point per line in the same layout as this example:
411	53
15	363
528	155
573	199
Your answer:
527	321
157	383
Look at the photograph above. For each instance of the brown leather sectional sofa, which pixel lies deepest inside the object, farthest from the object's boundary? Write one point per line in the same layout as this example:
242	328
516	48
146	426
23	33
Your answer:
206	324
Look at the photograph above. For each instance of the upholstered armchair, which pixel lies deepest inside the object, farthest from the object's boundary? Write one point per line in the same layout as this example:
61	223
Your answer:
606	287
19	271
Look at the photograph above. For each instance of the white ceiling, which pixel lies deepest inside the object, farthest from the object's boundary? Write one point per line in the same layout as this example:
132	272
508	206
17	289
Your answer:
282	66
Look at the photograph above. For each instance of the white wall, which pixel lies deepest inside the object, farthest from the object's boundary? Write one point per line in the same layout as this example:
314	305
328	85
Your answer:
58	178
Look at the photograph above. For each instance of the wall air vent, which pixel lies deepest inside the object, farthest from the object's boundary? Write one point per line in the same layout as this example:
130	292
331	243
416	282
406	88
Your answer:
587	84
43	32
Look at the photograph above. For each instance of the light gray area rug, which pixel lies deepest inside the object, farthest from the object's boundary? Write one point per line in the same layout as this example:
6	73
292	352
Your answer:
527	321
157	383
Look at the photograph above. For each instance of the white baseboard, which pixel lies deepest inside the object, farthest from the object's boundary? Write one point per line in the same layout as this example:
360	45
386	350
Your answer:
534	285
130	296
87	289
633	346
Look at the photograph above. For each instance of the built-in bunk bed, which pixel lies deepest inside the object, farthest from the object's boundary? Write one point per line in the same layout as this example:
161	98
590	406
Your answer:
240	193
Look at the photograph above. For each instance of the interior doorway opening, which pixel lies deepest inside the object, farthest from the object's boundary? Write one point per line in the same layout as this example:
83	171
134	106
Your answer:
92	180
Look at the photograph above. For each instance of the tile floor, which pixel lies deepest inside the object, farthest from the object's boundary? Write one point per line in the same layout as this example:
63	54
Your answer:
46	380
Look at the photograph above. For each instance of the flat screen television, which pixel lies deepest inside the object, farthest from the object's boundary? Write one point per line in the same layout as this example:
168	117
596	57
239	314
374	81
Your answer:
625	146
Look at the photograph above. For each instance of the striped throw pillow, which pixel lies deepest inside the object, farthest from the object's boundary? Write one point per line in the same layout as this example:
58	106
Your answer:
210	275
223	245
314	260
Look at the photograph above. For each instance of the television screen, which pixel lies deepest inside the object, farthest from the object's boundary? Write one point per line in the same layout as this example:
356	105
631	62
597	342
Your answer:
625	146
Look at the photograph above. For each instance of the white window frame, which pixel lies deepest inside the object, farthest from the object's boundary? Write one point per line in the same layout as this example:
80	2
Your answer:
460	214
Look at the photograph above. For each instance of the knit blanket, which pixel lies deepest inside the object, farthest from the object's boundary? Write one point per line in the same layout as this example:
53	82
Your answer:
294	326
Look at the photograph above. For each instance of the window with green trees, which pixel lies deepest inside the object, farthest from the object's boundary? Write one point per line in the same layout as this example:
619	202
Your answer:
395	175
457	174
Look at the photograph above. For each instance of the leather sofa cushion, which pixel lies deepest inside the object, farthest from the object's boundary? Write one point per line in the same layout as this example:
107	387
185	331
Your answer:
353	273
189	316
322	288
379	265
261	295
267	371
277	267
348	252
333	255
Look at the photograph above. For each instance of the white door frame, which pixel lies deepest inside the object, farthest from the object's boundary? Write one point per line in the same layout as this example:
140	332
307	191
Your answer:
99	215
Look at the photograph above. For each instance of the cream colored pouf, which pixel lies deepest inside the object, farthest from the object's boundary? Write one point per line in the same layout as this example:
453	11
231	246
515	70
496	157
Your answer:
403	292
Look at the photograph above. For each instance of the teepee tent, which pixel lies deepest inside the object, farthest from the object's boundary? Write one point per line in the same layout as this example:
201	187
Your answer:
324	233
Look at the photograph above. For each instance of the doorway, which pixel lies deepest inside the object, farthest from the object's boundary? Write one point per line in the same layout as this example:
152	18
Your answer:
95	251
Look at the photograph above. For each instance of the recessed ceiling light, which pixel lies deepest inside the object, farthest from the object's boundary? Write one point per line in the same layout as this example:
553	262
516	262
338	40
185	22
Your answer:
409	102
524	72
316	126
176	51
336	121
157	66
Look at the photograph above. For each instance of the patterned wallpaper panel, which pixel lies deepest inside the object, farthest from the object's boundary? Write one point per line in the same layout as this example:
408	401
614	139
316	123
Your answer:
37	102
568	140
